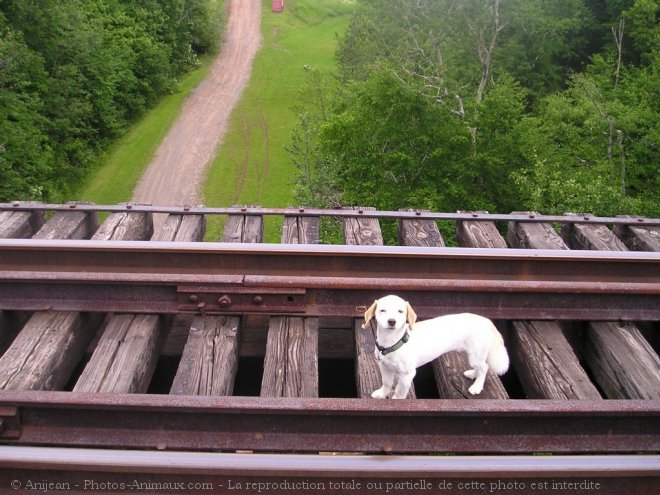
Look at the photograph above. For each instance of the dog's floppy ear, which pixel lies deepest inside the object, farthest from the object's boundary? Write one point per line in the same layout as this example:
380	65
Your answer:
369	313
411	316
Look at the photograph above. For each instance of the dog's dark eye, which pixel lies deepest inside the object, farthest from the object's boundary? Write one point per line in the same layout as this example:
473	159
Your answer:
401	311
381	310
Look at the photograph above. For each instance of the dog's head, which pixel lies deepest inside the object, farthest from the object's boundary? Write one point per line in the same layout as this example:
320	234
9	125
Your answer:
391	312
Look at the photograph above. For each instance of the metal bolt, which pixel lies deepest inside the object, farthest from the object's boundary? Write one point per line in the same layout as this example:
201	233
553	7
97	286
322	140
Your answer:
258	300
224	300
193	298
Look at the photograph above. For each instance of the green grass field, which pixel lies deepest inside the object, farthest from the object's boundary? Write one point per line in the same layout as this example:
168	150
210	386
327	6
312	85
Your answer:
253	166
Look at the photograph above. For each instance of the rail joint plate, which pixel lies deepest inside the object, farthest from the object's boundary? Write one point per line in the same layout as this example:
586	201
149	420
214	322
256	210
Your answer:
238	299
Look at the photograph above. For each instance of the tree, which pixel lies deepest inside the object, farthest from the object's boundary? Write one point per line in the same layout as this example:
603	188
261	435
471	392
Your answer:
496	105
26	158
74	74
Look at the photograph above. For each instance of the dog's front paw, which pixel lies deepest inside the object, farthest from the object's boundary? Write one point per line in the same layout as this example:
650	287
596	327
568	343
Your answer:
471	374
379	394
475	389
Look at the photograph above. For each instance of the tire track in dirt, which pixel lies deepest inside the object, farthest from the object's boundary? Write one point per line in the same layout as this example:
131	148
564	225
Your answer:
176	173
263	176
242	175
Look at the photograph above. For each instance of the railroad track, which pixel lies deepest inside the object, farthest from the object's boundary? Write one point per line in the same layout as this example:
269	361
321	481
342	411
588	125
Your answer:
125	351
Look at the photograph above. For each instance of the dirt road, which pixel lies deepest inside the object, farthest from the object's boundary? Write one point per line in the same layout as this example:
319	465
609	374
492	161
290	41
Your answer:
175	175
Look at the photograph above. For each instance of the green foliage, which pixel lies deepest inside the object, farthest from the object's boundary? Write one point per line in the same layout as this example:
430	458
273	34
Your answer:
26	158
74	74
382	145
500	105
594	146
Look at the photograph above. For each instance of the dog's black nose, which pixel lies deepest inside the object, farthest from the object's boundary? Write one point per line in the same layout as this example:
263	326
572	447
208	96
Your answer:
391	322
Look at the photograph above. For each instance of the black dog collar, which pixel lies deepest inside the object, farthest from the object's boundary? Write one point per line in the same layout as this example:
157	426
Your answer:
387	350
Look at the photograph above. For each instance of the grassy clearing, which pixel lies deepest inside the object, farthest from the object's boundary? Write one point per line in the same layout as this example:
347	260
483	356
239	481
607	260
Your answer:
122	165
253	166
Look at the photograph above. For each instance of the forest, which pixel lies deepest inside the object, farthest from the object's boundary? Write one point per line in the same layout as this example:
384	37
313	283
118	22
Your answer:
497	105
74	75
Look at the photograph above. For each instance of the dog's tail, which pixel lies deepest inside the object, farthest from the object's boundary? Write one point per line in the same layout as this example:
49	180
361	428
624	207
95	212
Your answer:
498	357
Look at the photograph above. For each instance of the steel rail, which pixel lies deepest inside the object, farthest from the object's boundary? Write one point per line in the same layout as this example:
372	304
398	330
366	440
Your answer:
123	471
358	466
339	213
321	280
333	425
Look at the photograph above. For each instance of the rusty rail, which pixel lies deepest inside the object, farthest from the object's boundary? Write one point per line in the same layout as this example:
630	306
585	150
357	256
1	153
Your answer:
339	213
93	469
339	425
318	280
617	441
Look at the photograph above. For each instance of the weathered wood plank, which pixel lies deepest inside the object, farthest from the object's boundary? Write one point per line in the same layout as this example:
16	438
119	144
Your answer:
637	238
534	235
636	377
422	233
125	357
45	353
125	226
448	372
633	366
479	234
367	371
20	224
210	358
300	230
336	338
547	365
366	232
243	228
596	237
181	228
127	352
291	360
51	344
359	231
448	369
15	225
69	225
291	363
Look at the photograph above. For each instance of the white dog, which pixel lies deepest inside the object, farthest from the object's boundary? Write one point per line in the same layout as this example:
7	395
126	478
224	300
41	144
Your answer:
402	344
